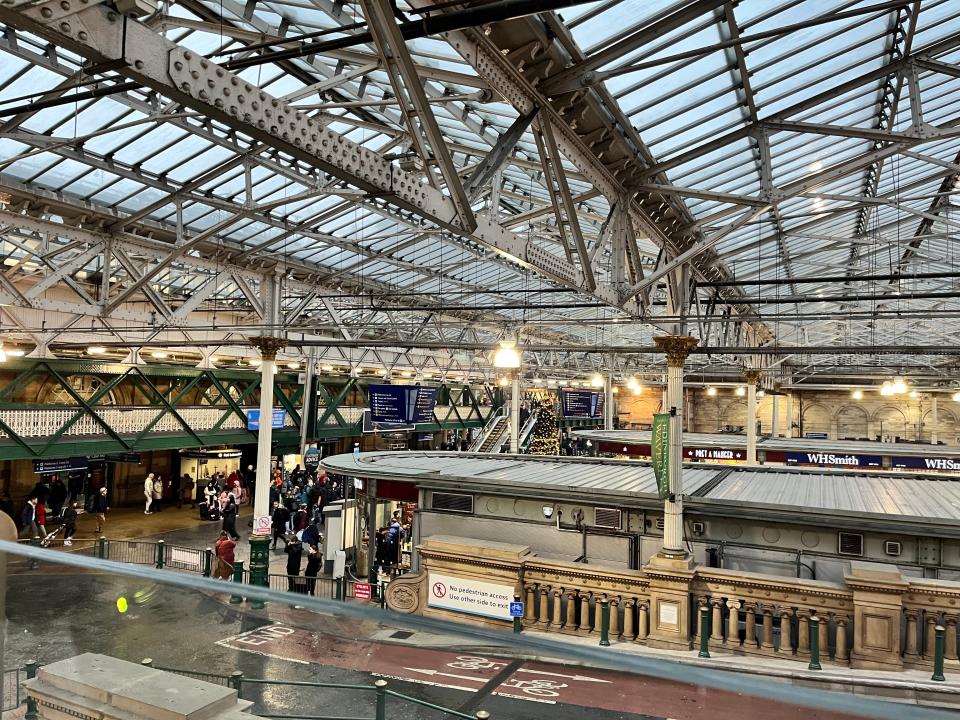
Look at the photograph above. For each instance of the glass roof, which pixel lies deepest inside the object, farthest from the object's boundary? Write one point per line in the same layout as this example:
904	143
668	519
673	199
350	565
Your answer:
761	122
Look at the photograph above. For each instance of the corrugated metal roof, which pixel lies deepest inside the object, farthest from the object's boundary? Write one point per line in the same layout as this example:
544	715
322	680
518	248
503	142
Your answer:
791	489
736	440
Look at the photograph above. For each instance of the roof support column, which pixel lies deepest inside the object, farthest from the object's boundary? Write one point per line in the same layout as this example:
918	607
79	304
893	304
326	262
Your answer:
934	419
608	402
676	347
752	377
775	416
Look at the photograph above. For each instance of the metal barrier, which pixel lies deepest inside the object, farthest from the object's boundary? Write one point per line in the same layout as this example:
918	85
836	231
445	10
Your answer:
11	689
302	585
196	675
130	551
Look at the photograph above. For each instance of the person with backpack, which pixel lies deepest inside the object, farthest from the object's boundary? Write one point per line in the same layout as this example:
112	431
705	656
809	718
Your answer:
70	523
225	549
28	519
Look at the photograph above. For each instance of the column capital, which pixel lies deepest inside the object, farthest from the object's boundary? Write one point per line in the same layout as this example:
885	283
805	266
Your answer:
752	376
268	346
676	347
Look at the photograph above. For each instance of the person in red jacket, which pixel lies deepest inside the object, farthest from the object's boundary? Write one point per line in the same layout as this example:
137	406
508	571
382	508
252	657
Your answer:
42	519
225	550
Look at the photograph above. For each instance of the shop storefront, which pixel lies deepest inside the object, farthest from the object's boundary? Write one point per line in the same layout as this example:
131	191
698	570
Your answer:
391	497
203	464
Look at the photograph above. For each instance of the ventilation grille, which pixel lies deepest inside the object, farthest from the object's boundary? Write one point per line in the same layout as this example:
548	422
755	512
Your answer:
892	547
660	523
451	502
606	518
850	544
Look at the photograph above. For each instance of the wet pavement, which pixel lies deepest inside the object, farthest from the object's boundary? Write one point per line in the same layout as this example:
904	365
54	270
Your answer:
57	614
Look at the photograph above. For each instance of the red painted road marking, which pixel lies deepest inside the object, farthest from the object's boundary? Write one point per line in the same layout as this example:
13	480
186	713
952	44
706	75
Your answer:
532	681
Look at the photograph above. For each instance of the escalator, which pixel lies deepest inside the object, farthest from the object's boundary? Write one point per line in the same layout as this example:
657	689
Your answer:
495	438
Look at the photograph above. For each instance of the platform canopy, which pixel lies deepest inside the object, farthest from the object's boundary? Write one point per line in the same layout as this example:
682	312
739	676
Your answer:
405	184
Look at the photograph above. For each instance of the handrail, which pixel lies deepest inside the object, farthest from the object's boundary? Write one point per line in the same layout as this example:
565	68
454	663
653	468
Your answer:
488	428
527	430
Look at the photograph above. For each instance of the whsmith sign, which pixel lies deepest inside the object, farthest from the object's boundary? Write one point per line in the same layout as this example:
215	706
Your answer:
926	463
819	458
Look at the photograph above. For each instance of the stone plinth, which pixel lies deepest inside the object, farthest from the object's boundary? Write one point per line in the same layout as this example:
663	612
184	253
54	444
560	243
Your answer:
670	580
99	686
878	591
478	567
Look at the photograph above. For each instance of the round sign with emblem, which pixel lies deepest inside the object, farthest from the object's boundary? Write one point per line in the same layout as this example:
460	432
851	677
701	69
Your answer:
311	459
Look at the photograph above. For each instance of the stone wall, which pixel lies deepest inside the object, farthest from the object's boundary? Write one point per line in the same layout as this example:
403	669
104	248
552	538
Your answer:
833	412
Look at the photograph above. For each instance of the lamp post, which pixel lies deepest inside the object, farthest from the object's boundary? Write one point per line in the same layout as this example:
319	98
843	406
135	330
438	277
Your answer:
507	359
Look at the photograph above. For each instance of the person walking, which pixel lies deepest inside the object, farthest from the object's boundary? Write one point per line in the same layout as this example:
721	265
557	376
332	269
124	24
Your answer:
157	494
313	568
279	523
230	511
42	519
148	493
225	549
70	523
58	496
28	519
100	507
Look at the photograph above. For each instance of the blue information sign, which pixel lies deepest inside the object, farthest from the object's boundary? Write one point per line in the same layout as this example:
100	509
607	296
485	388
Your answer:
833	460
581	403
279	418
926	463
42	467
516	609
402	404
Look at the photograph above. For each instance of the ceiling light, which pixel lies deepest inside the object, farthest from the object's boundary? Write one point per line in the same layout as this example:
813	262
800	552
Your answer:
427	375
158	354
637	390
899	386
503	382
632	383
15	352
886	389
857	394
711	391
538	381
293	365
406	374
575	383
506	357
956	396
96	350
760	393
615	390
914	394
327	368
551	381
597	381
741	391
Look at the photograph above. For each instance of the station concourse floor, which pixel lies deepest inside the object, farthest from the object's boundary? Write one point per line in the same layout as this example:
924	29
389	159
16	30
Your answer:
202	631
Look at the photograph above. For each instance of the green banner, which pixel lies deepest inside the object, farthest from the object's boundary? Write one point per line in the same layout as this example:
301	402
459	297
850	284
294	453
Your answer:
660	453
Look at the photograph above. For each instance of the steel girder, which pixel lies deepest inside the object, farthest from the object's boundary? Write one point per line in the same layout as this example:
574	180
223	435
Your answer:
589	128
104	36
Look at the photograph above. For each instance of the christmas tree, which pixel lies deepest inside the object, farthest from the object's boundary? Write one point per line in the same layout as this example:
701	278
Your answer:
545	436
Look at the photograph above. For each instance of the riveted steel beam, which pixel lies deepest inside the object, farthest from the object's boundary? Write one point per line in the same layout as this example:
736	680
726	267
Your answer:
102	35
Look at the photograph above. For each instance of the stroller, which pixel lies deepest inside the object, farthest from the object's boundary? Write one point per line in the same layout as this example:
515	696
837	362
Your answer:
60	530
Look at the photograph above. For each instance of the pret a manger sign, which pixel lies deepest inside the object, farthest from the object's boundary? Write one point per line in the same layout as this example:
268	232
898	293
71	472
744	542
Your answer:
466	595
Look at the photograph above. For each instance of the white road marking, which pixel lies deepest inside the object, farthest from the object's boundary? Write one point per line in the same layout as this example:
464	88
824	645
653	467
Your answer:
458	677
581	678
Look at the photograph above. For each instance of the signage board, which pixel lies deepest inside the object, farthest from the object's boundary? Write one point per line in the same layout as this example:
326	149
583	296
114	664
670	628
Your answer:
816	435
262	525
311	459
833	460
279	417
937	464
714	453
516	609
469	596
581	403
362	591
402	404
660	453
43	467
